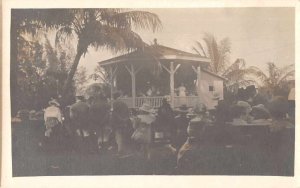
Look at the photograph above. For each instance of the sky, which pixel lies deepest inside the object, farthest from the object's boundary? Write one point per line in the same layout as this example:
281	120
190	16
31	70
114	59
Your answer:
258	35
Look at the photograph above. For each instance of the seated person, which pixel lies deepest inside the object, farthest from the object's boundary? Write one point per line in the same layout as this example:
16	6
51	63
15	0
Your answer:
239	115
260	114
278	109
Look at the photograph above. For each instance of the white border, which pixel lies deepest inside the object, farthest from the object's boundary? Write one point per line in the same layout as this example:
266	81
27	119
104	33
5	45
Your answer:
131	181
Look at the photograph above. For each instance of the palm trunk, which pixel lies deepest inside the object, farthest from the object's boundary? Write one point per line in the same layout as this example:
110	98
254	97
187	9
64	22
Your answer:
71	76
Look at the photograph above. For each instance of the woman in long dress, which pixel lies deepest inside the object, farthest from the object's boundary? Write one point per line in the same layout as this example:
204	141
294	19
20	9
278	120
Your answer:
182	94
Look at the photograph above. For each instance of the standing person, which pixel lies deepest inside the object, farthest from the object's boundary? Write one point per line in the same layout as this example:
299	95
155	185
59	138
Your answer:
53	133
143	133
79	112
282	142
181	90
121	124
165	121
182	123
182	93
291	100
52	117
99	114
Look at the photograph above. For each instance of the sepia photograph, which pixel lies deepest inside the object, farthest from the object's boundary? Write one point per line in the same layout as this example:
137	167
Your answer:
152	91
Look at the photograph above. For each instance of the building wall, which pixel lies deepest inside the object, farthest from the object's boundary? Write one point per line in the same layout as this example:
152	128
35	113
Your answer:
210	86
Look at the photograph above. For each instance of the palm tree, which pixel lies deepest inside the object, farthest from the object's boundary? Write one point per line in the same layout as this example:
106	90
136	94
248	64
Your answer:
218	52
29	21
276	77
238	75
105	28
100	28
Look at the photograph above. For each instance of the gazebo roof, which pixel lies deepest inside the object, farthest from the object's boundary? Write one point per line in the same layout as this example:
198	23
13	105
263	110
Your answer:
158	53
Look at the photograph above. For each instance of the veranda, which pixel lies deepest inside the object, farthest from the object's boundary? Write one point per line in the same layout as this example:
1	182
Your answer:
163	67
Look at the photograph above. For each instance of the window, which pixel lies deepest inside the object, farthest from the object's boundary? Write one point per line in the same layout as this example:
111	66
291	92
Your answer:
210	88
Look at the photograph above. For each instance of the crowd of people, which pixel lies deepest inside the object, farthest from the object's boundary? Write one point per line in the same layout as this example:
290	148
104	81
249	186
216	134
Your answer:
183	140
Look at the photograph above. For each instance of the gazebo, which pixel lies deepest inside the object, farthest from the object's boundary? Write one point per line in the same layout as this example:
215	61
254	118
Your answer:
156	64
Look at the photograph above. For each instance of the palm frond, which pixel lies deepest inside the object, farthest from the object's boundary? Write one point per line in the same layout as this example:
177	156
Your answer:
137	19
63	34
257	73
199	45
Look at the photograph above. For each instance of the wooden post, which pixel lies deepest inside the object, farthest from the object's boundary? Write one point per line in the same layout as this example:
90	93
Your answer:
132	73
133	90
198	72
111	83
172	83
112	73
172	73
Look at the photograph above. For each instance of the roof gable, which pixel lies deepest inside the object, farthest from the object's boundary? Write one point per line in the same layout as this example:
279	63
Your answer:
157	52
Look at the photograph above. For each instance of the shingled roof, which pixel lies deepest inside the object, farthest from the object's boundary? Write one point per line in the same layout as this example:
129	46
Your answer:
157	52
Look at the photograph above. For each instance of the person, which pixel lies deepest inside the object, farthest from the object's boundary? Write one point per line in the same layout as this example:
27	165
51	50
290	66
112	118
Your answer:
165	121
191	150
53	133
255	98
260	114
99	114
79	112
291	100
52	117
282	138
278	109
149	92
246	109
181	90
181	123
182	94
121	124
143	133
239	115
200	112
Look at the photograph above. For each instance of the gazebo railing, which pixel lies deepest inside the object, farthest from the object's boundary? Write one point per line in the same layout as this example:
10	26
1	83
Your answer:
156	102
190	101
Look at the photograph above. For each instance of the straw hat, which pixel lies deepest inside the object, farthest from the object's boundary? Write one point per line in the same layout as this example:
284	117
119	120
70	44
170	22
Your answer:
54	102
146	108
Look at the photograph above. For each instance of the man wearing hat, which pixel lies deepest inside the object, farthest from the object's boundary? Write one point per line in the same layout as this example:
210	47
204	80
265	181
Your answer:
79	112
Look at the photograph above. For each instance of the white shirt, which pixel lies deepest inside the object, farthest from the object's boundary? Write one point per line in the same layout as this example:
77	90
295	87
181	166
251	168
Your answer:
53	111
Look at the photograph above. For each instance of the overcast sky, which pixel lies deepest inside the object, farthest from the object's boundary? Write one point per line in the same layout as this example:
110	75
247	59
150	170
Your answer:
259	35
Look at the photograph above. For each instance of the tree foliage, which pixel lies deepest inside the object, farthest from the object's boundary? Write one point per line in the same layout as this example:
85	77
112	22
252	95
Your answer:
219	53
100	28
276	77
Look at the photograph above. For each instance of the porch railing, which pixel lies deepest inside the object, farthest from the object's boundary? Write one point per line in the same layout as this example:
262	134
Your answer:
190	101
156	102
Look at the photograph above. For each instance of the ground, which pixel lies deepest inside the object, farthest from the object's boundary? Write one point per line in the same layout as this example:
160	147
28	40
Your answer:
31	159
